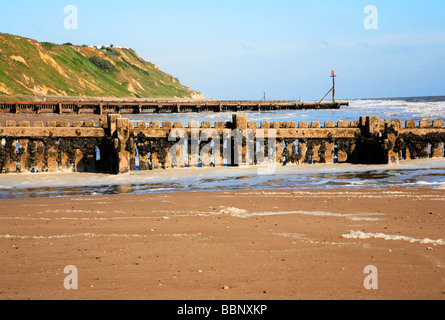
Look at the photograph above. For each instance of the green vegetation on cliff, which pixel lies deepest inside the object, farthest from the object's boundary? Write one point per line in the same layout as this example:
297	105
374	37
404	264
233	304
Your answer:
28	67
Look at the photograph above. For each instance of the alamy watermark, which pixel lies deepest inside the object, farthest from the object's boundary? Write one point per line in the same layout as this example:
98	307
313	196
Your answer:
371	21
71	21
371	280
234	147
71	281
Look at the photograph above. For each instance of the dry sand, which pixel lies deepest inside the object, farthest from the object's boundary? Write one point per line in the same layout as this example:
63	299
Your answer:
245	245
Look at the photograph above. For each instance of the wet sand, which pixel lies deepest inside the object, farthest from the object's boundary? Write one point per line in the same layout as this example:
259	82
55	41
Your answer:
244	245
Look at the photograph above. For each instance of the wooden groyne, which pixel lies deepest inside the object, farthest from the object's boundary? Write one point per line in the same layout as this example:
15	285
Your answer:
156	106
117	145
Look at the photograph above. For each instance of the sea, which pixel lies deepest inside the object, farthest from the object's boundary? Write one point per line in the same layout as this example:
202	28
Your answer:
421	173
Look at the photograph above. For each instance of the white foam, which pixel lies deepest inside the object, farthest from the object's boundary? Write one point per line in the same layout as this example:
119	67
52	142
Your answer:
61	236
396	108
363	235
72	211
242	213
234	212
303	238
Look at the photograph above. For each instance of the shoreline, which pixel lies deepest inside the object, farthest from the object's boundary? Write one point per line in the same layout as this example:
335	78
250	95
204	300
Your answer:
411	174
284	244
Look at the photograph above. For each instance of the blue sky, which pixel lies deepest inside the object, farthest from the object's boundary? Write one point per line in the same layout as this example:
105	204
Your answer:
238	49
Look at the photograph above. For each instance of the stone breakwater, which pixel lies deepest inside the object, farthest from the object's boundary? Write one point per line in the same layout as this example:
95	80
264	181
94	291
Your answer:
117	145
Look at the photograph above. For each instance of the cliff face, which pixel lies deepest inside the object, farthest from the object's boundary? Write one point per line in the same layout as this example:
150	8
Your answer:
28	67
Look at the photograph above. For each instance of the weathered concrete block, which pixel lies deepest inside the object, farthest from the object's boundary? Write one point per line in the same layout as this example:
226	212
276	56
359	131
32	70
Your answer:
122	123
239	121
372	125
193	124
315	124
303	125
154	125
220	125
329	124
24	124
291	124
252	125
276	124
10	123
206	124
437	123
396	124
265	125
51	124
38	124
90	124
343	124
424	124
77	124
410	124
63	124
141	125
167	124
103	123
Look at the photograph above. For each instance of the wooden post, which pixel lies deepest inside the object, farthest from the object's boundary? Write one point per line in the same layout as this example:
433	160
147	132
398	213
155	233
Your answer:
23	154
437	147
168	144
123	130
329	152
11	163
52	151
239	123
193	144
155	158
279	144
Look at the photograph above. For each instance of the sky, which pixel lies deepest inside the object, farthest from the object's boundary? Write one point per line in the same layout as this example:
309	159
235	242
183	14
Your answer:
234	50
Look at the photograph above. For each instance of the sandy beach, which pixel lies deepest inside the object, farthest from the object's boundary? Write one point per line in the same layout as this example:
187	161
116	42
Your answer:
244	245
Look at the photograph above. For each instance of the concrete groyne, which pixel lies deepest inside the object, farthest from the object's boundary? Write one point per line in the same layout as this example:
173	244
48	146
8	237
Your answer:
117	145
156	106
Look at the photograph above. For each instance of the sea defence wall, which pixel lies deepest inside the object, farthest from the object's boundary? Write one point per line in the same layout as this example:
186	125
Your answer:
117	145
156	106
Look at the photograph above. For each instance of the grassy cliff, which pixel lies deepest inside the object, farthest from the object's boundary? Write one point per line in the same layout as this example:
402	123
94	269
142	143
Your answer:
28	67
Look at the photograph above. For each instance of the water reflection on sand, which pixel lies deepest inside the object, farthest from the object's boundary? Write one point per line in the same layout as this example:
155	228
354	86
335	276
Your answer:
414	173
